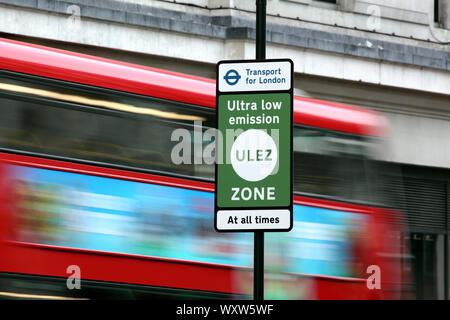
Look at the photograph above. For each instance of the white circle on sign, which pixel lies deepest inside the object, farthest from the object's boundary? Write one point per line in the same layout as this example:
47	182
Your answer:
254	155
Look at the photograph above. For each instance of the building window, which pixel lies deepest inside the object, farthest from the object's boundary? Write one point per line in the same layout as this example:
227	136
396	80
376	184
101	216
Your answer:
436	11
328	4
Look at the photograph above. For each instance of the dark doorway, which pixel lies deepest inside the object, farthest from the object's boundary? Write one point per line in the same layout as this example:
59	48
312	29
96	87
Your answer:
424	265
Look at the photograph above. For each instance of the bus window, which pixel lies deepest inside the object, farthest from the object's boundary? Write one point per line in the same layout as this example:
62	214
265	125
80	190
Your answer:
330	164
69	121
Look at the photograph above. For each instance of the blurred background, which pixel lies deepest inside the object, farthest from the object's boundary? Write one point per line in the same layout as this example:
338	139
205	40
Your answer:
87	177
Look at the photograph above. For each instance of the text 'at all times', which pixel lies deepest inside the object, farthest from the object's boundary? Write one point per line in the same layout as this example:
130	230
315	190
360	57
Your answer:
250	219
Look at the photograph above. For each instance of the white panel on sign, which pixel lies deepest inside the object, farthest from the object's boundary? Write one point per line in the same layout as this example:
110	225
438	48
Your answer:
253	219
254	76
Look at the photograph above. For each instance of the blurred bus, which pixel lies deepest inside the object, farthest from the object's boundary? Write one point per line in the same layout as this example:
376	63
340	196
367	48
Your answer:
87	183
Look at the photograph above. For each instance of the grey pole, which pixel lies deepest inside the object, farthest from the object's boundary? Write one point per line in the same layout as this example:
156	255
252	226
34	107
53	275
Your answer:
258	248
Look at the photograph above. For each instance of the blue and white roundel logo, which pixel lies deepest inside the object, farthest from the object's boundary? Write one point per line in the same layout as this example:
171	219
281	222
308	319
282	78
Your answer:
232	77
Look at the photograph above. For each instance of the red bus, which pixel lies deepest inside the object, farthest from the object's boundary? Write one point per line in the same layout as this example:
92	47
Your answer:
89	189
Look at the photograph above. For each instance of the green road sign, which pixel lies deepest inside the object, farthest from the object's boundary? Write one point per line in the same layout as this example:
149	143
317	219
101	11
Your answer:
254	146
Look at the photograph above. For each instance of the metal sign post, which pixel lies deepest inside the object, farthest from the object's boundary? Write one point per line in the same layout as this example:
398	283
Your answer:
253	191
258	241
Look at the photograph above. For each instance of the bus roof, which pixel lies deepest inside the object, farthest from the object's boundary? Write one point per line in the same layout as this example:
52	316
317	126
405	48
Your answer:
90	70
